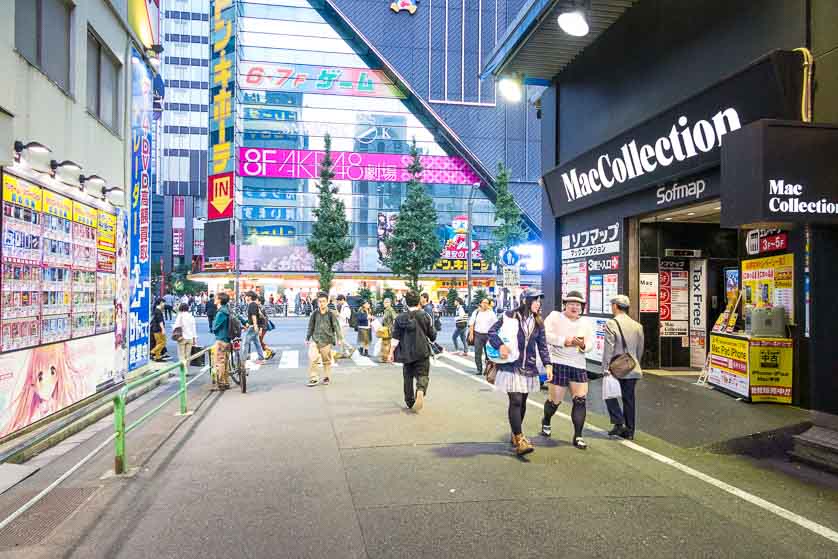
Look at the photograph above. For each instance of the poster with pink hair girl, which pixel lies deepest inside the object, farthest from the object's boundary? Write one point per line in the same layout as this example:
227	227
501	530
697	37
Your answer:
38	382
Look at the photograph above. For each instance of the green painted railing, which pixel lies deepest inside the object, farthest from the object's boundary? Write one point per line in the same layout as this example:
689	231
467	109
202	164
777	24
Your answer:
119	402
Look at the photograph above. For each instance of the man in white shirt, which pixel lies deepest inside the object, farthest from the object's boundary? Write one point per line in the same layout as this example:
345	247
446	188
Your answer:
482	319
344	316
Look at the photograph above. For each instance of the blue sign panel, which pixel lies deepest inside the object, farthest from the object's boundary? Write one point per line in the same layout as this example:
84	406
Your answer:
262	213
258	113
510	258
263	195
269	230
140	247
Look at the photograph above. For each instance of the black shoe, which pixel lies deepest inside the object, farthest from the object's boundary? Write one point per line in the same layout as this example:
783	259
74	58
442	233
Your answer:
580	443
627	435
617	431
546	430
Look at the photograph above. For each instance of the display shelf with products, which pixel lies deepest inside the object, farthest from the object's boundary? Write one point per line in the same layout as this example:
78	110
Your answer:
83	324
55	328
20	333
84	292
21	295
105	293
84	236
56	285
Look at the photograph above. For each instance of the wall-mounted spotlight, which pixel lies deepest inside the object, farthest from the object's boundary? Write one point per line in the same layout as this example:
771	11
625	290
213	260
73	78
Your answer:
94	184
65	165
115	195
573	18
34	147
510	88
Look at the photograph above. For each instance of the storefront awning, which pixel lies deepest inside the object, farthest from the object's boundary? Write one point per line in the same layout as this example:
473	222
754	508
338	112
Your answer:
534	46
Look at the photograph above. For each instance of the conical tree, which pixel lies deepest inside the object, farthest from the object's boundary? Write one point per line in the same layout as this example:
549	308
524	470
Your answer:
510	230
329	242
414	246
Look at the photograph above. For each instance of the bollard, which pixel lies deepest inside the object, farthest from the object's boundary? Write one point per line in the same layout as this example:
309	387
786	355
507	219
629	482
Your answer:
119	427
183	404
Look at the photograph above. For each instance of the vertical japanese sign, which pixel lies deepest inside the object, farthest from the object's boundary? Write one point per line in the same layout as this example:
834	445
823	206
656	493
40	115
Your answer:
222	92
698	312
140	267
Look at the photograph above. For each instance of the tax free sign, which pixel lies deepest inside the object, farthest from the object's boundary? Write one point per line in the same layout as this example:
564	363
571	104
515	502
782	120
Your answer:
680	141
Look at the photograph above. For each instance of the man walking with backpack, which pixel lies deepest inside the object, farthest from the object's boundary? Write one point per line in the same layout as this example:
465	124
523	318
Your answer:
323	331
412	336
252	335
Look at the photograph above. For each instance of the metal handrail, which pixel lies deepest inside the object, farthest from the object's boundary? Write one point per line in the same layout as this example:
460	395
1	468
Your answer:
119	402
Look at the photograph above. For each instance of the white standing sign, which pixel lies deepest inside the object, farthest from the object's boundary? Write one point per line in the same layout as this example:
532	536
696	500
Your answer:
698	312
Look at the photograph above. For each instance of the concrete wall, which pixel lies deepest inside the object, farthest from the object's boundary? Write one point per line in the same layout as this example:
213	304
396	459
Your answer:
38	110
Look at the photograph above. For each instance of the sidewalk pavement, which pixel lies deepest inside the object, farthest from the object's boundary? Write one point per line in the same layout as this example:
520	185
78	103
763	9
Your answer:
346	471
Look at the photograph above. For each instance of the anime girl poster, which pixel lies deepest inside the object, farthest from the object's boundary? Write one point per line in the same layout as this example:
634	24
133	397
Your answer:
38	382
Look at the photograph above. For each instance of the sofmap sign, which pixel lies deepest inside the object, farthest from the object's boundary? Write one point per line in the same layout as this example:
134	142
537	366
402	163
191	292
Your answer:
140	269
780	172
682	140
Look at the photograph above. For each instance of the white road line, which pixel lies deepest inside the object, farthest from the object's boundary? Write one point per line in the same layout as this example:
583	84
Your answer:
459	360
290	359
801	521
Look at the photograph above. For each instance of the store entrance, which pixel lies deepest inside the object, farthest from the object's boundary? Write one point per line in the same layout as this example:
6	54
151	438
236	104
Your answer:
685	259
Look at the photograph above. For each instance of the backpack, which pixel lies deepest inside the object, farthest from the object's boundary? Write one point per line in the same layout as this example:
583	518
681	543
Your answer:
234	326
262	318
353	319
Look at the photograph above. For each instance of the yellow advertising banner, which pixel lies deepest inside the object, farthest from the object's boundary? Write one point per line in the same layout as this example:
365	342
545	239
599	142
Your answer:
106	239
772	368
22	192
770	282
57	205
84	214
729	363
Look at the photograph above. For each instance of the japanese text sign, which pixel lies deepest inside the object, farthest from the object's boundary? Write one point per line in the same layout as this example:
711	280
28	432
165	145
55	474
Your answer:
332	80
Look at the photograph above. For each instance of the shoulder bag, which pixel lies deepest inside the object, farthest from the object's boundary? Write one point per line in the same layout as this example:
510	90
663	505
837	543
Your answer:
623	364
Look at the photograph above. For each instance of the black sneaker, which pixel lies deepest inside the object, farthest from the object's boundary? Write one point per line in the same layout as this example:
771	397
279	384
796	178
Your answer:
546	430
617	430
627	435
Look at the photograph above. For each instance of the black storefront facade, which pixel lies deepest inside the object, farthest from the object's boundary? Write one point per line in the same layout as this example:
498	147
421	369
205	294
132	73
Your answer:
710	153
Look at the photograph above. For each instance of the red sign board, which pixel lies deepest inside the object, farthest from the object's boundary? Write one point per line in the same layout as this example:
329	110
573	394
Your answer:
177	242
774	242
220	195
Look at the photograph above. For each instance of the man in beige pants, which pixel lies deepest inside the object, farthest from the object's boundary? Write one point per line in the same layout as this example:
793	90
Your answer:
323	332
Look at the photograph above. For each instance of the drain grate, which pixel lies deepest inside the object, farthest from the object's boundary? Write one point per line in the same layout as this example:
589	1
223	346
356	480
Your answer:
33	526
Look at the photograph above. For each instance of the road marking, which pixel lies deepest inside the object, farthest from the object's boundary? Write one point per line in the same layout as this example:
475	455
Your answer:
786	514
459	360
290	359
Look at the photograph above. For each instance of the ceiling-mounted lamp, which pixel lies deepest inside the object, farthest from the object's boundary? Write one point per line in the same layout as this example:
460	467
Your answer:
573	18
34	147
510	88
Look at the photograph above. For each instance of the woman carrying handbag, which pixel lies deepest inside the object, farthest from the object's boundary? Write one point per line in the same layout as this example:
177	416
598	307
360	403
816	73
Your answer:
520	377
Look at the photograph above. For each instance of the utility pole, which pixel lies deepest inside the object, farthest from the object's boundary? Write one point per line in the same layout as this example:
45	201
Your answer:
474	187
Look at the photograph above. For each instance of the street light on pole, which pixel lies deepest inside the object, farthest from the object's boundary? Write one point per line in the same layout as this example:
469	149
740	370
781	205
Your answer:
474	188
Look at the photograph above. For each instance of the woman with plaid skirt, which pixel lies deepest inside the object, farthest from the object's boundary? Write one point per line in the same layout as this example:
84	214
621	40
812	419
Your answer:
520	377
569	338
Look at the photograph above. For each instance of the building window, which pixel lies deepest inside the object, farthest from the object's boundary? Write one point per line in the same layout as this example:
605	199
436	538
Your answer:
102	82
42	36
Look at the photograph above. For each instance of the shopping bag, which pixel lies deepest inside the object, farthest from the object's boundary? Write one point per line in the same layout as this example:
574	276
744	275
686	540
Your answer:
199	362
611	388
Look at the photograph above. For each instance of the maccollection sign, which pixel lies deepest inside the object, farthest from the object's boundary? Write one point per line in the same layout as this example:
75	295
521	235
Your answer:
680	141
780	172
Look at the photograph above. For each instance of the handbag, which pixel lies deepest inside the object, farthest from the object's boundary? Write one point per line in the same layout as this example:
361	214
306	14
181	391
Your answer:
491	371
470	337
200	361
623	364
177	334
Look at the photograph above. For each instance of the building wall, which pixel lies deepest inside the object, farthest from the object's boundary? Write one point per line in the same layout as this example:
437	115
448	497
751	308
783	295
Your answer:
440	51
824	37
36	109
610	88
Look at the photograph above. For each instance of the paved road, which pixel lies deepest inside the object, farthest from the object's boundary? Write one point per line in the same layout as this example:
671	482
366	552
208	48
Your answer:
346	471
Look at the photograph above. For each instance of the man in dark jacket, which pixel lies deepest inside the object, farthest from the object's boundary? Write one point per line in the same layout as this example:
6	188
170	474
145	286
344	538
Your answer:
412	334
211	309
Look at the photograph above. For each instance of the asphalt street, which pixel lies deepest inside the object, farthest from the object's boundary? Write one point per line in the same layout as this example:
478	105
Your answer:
346	471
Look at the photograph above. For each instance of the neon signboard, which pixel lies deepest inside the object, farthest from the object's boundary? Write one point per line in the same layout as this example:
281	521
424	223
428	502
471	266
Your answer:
305	78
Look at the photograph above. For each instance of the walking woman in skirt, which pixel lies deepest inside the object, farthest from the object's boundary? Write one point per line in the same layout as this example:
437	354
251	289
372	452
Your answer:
365	318
520	378
569	339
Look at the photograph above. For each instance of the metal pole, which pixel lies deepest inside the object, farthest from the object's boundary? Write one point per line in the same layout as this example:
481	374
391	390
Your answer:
119	427
474	187
183	403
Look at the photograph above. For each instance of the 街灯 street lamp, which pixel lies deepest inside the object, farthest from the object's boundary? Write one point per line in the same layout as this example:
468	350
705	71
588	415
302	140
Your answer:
474	188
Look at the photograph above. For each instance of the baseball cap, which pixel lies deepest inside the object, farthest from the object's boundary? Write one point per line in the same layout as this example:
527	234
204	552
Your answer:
621	301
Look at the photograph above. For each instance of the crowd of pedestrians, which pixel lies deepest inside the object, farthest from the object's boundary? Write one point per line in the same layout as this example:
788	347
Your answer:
515	349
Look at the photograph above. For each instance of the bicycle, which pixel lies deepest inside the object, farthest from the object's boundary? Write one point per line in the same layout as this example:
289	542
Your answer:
235	366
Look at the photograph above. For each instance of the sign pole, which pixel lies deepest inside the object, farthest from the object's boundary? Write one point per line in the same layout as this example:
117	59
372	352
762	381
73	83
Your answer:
474	187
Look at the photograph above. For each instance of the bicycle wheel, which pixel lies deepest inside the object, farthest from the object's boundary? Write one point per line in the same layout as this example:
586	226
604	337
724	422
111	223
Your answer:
234	371
242	372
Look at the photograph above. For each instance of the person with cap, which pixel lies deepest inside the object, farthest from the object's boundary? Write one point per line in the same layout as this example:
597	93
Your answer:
623	335
520	377
569	338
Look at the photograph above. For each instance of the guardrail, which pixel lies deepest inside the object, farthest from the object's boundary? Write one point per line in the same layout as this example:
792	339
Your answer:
119	402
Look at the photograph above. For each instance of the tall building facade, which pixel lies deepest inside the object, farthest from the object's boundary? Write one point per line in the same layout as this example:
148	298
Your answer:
374	79
179	210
